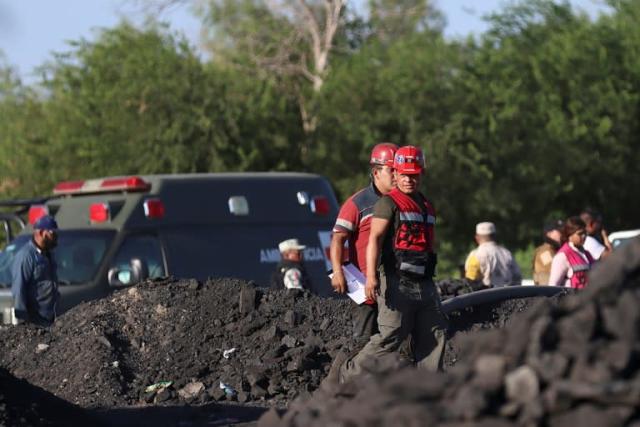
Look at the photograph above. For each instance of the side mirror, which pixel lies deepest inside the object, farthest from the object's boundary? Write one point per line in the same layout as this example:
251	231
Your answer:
135	273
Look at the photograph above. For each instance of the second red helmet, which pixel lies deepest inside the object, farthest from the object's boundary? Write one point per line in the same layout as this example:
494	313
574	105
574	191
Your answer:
382	154
408	160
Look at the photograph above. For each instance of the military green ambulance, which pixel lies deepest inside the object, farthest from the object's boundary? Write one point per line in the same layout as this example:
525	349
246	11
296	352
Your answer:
117	231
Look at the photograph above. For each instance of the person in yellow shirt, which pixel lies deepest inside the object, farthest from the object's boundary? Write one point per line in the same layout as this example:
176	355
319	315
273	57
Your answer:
472	268
490	263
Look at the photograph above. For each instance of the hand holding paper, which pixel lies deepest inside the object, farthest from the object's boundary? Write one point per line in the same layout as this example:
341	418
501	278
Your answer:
355	283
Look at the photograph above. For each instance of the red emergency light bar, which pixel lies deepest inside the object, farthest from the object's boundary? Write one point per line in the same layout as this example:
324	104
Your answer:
99	212
36	212
320	205
131	183
68	187
153	208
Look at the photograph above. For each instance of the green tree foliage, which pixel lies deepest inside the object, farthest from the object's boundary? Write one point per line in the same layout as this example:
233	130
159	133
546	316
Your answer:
394	19
22	135
290	41
549	110
140	102
534	120
135	102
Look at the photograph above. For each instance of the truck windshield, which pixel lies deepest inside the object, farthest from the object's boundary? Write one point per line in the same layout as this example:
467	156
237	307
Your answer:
78	255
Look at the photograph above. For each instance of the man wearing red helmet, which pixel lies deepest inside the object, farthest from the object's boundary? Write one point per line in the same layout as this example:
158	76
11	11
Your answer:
401	261
353	225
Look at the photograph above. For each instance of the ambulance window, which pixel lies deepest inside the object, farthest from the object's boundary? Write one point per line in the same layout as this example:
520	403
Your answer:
145	247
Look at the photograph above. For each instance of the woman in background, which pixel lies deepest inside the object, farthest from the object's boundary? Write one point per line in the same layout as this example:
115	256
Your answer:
572	263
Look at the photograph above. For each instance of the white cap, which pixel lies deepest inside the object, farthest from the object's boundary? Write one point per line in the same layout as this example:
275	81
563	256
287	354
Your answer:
290	245
485	228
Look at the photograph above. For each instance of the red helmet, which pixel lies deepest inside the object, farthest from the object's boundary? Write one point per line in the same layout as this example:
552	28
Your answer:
382	154
408	160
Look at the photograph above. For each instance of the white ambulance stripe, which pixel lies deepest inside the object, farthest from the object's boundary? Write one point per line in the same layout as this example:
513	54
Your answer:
418	269
411	216
431	219
344	224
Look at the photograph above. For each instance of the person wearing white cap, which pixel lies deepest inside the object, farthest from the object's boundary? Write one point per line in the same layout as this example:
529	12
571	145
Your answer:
290	272
491	263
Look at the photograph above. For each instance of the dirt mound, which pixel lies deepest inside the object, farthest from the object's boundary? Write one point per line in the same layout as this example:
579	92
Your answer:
468	321
23	405
574	362
170	342
173	341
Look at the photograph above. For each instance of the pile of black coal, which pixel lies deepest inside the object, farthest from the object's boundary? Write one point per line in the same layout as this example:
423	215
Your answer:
449	288
566	363
24	405
170	342
181	341
473	319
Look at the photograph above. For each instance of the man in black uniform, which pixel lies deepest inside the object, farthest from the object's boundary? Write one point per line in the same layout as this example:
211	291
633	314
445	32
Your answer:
290	273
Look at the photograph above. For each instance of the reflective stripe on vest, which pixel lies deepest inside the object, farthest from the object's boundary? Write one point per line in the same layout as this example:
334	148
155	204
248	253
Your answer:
413	237
583	267
416	217
578	265
417	269
411	216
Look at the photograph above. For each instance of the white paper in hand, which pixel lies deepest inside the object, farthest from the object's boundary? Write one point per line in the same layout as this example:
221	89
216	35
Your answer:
355	283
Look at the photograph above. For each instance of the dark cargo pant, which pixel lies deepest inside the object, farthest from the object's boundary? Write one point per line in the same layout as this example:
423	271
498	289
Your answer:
365	322
399	317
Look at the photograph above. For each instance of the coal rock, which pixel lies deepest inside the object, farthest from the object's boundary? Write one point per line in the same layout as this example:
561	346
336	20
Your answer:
247	299
177	330
522	385
24	405
570	360
289	341
217	393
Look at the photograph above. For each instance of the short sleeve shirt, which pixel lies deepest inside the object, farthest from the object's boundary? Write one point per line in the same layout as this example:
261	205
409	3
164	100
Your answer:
542	263
385	209
594	247
354	219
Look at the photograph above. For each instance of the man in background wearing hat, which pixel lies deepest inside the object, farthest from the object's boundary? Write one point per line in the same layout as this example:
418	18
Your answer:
544	253
35	281
491	263
290	273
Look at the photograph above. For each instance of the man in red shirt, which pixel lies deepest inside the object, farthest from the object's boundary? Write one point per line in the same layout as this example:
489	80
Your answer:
401	262
353	225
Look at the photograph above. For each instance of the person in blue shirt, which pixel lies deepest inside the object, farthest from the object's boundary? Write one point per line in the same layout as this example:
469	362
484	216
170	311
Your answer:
34	277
